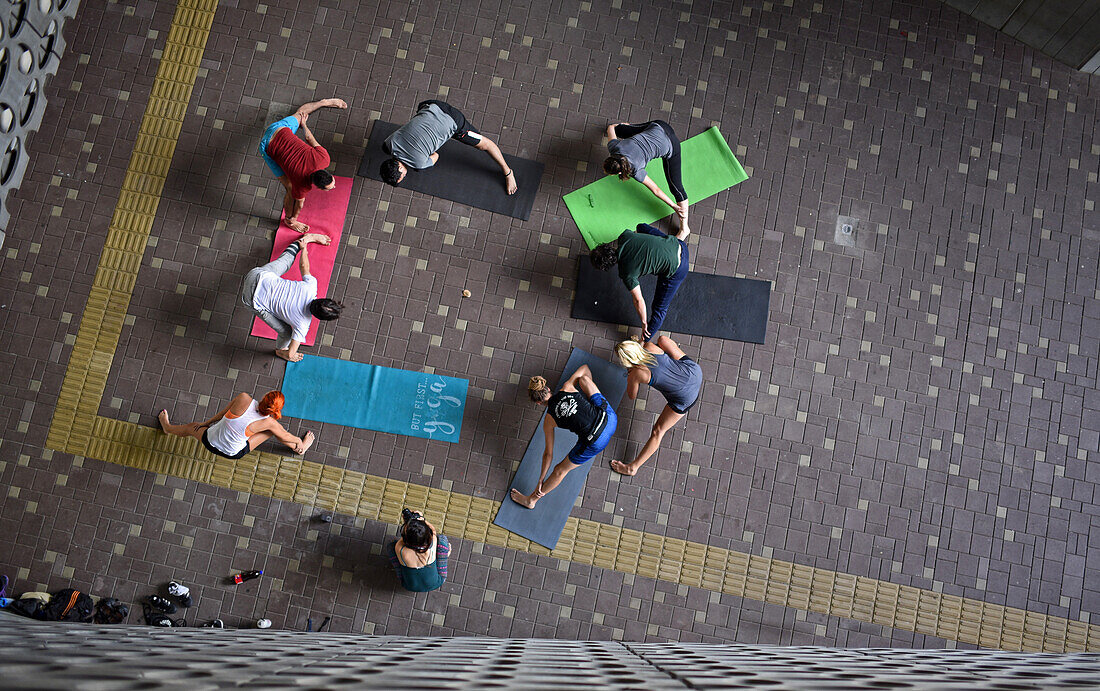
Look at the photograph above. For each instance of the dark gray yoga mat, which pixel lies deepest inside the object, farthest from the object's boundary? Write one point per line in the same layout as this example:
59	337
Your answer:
706	305
463	174
544	523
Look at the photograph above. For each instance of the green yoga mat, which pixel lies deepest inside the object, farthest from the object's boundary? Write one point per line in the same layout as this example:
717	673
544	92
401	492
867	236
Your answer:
607	207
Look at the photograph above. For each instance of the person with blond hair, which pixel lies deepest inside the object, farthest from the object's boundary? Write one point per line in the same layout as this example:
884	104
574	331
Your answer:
241	426
580	408
666	368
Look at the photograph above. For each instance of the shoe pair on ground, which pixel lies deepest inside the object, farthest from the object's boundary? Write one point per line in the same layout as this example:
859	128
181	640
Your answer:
182	594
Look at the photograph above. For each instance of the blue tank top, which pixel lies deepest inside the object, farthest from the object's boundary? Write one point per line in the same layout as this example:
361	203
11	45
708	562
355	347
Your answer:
679	380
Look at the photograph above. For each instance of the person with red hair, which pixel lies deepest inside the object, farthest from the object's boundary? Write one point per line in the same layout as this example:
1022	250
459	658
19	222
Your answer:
241	426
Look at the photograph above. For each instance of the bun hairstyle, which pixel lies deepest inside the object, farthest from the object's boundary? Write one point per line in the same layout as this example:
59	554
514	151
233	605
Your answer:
616	164
632	354
272	404
538	389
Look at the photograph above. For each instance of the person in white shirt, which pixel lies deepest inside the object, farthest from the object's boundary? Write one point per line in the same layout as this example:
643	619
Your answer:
241	426
287	306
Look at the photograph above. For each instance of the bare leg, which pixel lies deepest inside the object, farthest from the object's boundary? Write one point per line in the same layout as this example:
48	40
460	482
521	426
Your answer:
665	421
191	429
553	480
488	146
290	208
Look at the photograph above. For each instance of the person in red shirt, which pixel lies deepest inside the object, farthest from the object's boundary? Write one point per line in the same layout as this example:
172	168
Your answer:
299	165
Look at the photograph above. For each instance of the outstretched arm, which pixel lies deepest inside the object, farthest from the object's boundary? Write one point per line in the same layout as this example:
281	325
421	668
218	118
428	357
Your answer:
303	111
648	182
548	426
489	146
639	307
308	136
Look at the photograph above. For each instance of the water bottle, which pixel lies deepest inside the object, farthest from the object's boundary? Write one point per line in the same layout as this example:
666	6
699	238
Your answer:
246	576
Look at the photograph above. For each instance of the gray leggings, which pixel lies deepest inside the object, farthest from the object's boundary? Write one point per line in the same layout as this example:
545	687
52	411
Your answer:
279	266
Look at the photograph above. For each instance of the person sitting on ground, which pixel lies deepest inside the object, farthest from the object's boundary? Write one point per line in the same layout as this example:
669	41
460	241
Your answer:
632	147
646	251
419	556
580	408
241	426
287	305
664	367
416	144
299	165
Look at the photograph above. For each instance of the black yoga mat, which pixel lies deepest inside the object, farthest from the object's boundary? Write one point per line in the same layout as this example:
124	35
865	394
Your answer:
463	174
706	305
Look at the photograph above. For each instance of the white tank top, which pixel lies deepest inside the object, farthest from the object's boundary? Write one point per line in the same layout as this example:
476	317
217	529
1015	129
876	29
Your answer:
230	435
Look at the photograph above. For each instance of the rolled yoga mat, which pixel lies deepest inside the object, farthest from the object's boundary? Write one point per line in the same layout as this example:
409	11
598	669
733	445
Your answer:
609	206
384	399
705	305
324	212
463	174
543	524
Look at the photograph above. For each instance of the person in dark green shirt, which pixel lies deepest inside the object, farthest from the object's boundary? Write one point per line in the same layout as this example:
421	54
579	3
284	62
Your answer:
640	253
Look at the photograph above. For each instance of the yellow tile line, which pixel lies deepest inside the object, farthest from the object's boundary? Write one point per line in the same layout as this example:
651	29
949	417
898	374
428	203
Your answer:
86	377
77	429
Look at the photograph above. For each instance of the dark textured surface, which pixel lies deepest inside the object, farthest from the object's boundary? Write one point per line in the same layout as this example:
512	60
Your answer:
925	409
705	304
463	174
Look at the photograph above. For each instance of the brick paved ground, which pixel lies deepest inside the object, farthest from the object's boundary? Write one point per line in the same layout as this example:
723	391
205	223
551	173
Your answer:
925	410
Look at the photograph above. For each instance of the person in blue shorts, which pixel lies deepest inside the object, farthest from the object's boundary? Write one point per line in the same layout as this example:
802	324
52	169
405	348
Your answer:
580	408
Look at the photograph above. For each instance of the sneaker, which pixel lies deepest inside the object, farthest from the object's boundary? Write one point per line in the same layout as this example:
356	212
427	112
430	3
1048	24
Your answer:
185	601
216	624
162	604
177	590
3	586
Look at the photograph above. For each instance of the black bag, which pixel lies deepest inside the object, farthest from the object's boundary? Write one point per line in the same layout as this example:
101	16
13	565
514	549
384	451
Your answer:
27	606
110	610
154	618
68	605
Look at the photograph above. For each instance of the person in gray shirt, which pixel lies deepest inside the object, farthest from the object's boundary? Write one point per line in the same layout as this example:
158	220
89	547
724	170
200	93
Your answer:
632	147
416	144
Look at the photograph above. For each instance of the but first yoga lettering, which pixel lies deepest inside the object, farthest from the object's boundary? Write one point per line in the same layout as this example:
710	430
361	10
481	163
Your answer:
428	405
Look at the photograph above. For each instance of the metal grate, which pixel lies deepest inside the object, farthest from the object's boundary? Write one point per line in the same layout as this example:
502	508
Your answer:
36	654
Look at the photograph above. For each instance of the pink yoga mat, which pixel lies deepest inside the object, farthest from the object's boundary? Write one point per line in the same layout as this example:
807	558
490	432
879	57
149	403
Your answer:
324	212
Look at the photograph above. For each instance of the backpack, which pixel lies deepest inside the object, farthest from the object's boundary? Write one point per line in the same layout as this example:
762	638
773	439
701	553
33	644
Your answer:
110	610
27	606
68	605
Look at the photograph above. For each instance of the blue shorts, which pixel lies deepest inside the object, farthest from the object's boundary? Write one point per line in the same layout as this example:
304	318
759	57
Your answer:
291	122
584	452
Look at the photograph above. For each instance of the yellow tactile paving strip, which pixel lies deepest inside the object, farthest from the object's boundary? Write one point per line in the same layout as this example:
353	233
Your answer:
79	430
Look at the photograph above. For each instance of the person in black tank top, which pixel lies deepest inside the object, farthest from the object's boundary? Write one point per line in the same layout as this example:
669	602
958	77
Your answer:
666	368
580	408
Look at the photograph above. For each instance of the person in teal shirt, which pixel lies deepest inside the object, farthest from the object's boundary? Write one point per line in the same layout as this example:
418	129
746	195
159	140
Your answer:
419	557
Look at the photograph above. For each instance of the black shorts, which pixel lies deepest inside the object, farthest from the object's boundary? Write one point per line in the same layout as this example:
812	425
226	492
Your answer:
466	133
210	447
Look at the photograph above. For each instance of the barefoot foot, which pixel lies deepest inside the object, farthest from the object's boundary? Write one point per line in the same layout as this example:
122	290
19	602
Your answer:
298	226
522	499
623	469
319	238
307	441
336	103
510	180
163	417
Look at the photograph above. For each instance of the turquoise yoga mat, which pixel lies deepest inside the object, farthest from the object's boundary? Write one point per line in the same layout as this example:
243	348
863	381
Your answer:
607	207
355	394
